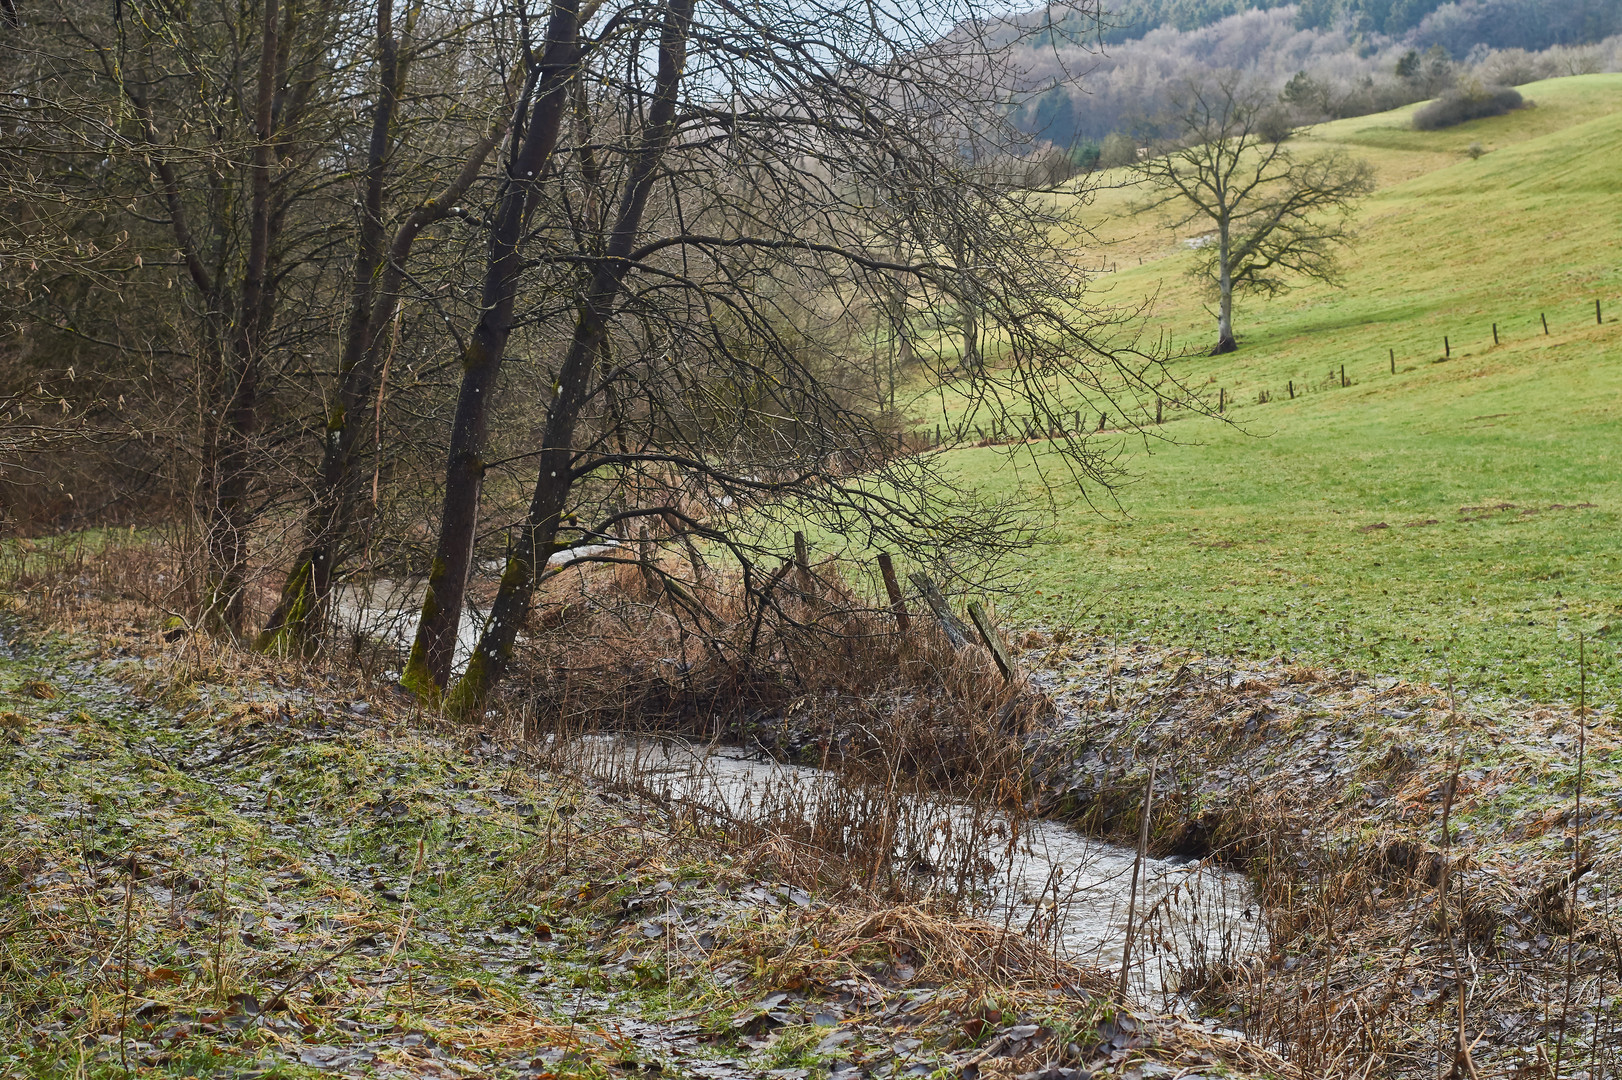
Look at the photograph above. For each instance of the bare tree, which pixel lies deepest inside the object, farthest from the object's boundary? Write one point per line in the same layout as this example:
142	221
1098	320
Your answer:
1213	156
215	146
380	266
729	265
245	287
743	193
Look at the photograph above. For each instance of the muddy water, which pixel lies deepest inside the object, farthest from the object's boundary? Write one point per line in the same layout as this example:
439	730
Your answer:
386	610
1036	877
1041	878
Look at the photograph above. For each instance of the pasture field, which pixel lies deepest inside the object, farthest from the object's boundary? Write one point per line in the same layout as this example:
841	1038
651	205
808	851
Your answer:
1461	517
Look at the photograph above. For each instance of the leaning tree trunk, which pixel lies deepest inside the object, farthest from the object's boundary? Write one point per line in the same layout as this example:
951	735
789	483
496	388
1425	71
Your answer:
538	537
434	647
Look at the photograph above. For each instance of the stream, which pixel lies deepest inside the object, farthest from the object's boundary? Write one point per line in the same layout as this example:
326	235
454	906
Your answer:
1037	877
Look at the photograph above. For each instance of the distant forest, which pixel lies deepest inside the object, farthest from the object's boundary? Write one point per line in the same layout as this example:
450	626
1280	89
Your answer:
1089	80
1456	26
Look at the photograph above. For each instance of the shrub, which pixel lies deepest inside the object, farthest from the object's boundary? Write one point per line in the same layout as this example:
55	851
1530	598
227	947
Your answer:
1118	149
1512	67
1085	153
1468	103
1275	125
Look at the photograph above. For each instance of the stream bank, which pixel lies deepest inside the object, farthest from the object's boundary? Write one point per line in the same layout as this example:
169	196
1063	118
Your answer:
1435	870
218	865
1329	789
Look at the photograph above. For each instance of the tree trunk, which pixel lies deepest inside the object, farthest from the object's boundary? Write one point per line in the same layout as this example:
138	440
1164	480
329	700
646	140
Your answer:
292	626
538	536
1225	342
337	508
227	513
434	647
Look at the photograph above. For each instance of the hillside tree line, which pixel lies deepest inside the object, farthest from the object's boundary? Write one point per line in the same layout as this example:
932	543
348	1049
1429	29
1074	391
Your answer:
331	289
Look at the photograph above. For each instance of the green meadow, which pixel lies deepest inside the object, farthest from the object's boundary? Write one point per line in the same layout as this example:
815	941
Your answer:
1459	518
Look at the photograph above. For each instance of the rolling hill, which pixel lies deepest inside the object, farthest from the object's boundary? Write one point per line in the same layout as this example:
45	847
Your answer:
1460	517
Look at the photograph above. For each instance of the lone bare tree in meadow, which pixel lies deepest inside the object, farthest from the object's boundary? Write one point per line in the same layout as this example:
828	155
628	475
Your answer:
1215	157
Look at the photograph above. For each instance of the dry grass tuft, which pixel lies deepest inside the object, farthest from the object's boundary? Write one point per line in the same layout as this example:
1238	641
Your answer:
955	949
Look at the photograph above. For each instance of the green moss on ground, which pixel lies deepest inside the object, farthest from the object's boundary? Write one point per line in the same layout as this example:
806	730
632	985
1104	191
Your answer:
242	868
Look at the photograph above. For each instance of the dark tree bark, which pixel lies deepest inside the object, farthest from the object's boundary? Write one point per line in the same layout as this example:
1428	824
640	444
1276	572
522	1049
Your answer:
333	513
538	535
434	647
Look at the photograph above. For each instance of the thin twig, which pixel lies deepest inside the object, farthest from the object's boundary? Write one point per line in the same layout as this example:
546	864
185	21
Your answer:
1137	867
124	1008
1576	852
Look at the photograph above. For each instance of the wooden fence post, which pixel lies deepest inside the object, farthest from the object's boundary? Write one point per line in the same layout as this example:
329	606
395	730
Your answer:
1393	361
1495	333
1343	375
898	603
1545	319
1291	387
802	562
1597	318
1447	347
1222	400
993	640
951	626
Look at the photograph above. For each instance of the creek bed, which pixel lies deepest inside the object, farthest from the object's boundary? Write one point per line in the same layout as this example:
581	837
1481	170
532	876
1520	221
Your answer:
1037	877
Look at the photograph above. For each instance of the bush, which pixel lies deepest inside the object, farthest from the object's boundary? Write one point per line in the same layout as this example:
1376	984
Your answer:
1275	125
1470	103
1085	153
1117	150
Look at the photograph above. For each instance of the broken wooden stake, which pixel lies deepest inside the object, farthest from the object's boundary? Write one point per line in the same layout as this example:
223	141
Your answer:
802	562
993	640
951	625
898	603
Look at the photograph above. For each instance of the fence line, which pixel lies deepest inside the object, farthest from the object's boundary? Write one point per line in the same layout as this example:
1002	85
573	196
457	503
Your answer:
1006	430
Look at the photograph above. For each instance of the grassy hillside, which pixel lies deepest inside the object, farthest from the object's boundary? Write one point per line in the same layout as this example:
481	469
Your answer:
1460	516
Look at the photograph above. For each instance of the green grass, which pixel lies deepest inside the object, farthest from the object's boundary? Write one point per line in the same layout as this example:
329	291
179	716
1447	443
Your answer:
1254	537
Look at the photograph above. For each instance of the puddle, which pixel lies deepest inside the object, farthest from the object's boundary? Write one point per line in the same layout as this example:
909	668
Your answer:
1047	880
